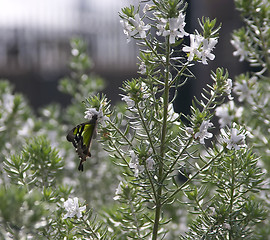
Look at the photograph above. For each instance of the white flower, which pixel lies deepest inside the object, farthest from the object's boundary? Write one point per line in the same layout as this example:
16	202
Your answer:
134	164
127	29
195	42
26	128
139	25
236	140
240	48
228	89
172	115
161	26
118	191
150	163
176	28
128	101
142	68
243	90
90	112
200	47
72	208
224	114
227	112
189	131
203	134
208	46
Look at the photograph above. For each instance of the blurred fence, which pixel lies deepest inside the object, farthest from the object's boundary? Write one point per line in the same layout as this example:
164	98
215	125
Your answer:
34	35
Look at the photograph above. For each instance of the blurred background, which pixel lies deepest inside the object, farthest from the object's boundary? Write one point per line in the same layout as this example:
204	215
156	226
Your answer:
35	49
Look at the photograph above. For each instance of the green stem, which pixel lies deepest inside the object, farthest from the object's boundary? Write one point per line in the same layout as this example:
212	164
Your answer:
231	200
163	143
146	129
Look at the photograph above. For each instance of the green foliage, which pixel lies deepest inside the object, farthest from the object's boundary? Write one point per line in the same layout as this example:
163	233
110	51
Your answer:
38	164
145	145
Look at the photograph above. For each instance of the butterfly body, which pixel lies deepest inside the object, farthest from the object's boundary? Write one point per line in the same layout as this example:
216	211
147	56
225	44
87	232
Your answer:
81	137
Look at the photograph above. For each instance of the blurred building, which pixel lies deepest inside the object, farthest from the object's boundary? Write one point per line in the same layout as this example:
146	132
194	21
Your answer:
35	34
34	41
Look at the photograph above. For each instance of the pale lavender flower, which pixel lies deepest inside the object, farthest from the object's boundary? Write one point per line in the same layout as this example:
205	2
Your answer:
176	28
128	101
203	134
150	163
139	25
240	48
72	208
142	68
189	131
236	140
134	164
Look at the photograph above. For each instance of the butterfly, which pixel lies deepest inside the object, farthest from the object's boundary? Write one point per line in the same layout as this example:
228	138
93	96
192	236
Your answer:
81	137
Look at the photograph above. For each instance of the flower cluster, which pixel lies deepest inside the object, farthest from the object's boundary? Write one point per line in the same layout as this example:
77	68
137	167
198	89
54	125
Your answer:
201	48
133	26
173	28
227	113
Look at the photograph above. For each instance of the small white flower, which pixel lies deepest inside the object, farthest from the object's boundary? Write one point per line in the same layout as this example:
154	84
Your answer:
203	134
139	25
208	46
172	115
176	28
90	112
134	164
128	101
72	208
127	29
8	102
189	131
150	163
195	42
236	140
161	26
227	112
228	89
224	114
118	191
243	90
26	128
240	48
142	68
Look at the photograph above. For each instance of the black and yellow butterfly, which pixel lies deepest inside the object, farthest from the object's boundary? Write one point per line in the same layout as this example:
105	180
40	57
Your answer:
81	137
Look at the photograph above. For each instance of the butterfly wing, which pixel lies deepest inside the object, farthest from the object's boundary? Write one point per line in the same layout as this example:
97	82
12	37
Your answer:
81	137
